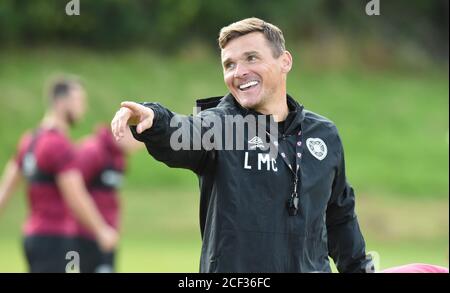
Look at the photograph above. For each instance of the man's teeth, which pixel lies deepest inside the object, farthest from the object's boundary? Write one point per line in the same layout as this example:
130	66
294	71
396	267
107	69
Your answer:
248	84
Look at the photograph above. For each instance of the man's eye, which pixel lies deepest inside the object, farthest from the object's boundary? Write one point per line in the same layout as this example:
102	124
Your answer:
251	58
229	66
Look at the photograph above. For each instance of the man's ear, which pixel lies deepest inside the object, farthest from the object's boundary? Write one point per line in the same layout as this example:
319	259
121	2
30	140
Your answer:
286	61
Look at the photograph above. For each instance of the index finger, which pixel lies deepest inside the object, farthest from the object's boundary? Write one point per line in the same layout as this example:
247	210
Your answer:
133	106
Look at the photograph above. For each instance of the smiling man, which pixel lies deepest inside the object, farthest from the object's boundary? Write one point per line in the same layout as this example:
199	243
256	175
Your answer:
259	211
255	67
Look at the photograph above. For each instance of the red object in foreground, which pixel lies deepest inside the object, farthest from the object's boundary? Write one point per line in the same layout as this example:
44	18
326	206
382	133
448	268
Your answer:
416	268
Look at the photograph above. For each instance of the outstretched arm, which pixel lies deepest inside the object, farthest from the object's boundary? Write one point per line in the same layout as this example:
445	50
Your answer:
10	180
160	130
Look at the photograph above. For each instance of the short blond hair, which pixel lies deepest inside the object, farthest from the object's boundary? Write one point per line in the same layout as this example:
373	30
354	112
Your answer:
249	25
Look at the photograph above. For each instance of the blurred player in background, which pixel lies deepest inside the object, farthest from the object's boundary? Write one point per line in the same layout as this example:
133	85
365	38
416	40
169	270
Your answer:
102	160
56	192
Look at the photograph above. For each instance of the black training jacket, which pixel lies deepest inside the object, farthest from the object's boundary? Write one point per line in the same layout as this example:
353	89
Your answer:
244	219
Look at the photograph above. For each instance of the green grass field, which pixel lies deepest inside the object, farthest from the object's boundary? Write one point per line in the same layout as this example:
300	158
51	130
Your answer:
160	231
394	125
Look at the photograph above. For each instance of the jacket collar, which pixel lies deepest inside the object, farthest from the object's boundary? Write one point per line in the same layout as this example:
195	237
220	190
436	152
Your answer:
293	121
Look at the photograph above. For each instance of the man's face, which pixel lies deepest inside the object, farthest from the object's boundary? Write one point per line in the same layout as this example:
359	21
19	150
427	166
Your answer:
76	105
251	72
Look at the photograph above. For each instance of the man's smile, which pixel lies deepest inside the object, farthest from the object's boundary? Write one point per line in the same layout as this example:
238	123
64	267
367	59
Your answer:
247	85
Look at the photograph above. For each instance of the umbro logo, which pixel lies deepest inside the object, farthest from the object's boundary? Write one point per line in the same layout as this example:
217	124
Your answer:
256	142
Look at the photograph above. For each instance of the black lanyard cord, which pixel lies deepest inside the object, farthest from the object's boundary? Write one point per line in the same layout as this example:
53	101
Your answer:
293	201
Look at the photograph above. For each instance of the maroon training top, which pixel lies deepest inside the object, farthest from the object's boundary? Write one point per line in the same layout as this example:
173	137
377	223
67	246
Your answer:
102	164
52	154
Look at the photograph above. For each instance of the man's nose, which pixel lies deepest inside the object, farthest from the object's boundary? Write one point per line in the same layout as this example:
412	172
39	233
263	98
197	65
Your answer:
240	71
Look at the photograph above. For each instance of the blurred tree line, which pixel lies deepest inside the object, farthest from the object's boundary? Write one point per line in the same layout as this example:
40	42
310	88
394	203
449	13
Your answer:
168	24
